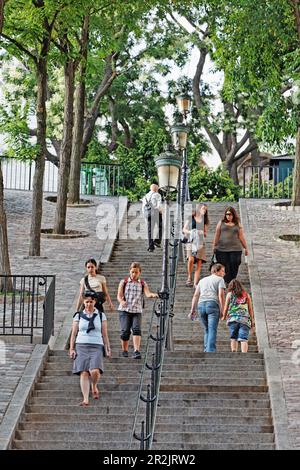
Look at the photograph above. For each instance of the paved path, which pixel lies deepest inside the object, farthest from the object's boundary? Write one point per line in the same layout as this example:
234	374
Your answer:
13	363
278	265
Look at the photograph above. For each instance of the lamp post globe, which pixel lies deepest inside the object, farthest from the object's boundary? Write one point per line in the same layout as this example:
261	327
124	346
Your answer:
179	136
183	103
168	164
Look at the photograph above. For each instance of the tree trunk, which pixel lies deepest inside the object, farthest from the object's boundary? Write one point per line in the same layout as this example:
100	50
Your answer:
1	14
38	180
255	153
128	142
92	115
74	179
234	173
66	148
4	253
114	125
296	178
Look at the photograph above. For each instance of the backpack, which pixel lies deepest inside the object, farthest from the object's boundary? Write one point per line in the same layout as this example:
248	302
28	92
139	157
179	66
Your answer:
143	287
148	208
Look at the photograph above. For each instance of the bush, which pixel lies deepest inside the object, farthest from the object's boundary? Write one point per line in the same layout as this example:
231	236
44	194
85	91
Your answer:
212	185
259	188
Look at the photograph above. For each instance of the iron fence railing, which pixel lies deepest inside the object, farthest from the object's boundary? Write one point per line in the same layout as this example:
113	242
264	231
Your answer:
95	178
101	179
267	182
159	335
27	306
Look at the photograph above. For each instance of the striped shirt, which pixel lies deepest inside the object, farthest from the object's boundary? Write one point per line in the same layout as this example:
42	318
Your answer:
133	295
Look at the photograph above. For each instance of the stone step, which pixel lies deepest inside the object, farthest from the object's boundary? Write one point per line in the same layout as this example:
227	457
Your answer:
195	358
229	386
160	427
69	445
167	376
211	437
215	357
51	401
125	366
74	407
60	392
166	411
213	446
171	437
78	436
204	385
58	445
32	420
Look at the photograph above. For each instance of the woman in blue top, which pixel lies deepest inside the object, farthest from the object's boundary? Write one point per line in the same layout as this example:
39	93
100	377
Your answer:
89	332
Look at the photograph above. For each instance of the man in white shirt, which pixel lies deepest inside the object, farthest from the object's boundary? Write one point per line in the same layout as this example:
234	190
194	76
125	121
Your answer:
209	299
153	217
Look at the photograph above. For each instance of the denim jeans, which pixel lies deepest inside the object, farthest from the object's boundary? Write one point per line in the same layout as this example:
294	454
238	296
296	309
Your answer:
209	314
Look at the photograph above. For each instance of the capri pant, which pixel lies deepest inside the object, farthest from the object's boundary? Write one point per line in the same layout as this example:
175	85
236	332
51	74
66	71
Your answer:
130	321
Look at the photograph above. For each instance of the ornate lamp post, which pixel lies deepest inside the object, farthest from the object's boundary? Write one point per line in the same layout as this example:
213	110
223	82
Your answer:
179	138
180	133
168	165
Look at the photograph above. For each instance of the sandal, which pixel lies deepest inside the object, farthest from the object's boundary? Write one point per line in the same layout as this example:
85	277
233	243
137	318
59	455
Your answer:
84	404
96	395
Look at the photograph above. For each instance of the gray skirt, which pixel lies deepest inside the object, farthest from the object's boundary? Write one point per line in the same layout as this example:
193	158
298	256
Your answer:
88	357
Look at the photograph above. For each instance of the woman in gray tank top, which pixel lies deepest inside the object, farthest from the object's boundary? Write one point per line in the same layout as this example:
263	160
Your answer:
228	243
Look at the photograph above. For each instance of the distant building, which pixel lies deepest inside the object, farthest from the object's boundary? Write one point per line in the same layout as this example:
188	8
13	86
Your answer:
281	167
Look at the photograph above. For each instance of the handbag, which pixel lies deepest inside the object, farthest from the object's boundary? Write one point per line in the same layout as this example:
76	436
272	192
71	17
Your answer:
99	296
213	260
184	238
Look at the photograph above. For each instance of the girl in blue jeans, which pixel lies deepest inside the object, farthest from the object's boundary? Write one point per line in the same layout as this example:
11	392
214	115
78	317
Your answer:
239	313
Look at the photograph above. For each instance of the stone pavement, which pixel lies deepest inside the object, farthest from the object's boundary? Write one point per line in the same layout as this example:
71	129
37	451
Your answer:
63	258
11	369
278	266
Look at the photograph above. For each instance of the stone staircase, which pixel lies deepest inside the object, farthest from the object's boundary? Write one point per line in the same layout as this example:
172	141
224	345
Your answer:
207	401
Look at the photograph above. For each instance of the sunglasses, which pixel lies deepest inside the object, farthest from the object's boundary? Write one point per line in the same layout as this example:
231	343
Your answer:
228	213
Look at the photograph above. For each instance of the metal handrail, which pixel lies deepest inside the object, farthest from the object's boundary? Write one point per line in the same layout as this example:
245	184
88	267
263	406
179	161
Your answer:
163	314
27	306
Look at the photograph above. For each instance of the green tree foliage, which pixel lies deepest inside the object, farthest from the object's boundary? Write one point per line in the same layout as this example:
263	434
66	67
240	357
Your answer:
209	185
138	162
257	47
